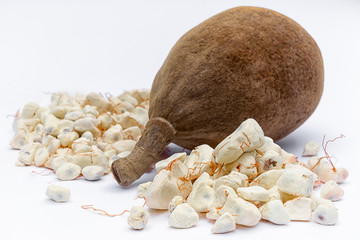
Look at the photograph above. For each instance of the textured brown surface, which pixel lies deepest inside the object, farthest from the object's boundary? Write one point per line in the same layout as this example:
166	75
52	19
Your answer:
245	62
156	136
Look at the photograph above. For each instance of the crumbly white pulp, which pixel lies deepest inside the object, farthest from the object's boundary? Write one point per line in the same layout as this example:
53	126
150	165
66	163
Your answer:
80	135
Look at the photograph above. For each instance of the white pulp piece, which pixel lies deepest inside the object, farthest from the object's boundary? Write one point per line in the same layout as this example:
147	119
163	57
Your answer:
96	100
245	164
41	156
67	138
331	191
113	134
124	145
92	173
163	189
297	181
221	194
271	160
274	193
29	110
183	216
247	137
20	139
244	213
138	217
325	214
233	179
268	179
176	201
299	209
253	194
81	145
86	124
27	153
142	189
68	171
274	211
132	133
224	224
58	193
311	149
163	164
202	196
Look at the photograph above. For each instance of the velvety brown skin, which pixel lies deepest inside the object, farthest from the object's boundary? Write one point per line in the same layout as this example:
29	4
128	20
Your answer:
246	62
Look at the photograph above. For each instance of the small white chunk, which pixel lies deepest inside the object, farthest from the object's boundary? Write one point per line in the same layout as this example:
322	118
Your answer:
142	189
331	191
132	133
165	163
183	216
128	119
224	224
89	136
269	145
41	156
113	134
58	193
202	198
51	125
268	179
296	180
81	159
299	209
98	158
124	145
20	139
270	160
177	200
53	145
221	194
27	153
213	214
81	145
325	214
311	149
104	121
29	110
73	116
245	213
274	211
234	180
141	115
86	124
253	194
68	171
96	100
342	175
247	137
67	138
246	164
92	172
274	193
65	125
138	217
164	188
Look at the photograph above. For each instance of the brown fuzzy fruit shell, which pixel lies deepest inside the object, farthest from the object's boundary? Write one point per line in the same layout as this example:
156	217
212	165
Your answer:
246	62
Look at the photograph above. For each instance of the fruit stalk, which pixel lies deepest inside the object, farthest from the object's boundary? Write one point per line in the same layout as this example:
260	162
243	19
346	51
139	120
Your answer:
157	135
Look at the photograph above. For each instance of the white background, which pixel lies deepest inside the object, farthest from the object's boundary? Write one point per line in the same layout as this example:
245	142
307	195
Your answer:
112	46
